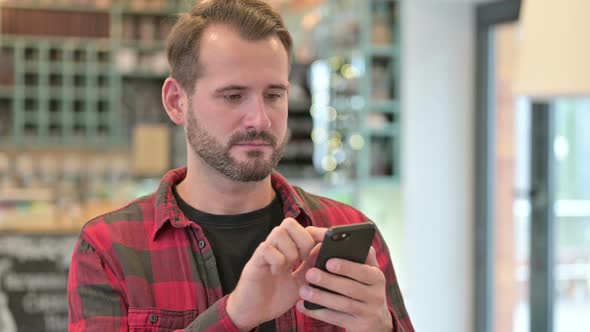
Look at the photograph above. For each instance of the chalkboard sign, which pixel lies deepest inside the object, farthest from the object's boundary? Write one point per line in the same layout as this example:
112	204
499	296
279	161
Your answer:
33	282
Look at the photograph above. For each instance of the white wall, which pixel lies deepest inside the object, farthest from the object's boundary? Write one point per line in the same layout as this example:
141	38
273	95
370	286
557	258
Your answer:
438	102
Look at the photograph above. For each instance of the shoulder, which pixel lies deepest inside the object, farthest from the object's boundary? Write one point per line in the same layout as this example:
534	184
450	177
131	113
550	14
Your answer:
119	225
327	212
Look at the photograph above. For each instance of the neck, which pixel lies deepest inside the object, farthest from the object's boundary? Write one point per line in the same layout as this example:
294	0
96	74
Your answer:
209	191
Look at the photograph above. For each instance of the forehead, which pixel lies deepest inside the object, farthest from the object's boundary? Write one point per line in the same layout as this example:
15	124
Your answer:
223	51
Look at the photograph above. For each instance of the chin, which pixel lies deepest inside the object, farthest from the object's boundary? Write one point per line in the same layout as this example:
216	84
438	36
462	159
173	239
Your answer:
254	156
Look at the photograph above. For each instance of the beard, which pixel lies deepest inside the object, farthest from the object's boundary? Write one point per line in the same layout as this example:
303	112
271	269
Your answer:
217	155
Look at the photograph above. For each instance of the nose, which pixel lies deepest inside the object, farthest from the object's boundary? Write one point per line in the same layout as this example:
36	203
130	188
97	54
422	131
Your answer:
256	117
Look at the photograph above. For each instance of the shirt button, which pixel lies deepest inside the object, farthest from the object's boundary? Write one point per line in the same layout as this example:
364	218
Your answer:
153	318
201	244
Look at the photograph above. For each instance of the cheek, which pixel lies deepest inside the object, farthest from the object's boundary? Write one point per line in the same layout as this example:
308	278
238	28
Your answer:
218	122
279	123
279	116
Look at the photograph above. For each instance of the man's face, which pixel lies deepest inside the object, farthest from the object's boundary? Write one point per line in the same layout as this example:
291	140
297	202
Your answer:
237	119
255	166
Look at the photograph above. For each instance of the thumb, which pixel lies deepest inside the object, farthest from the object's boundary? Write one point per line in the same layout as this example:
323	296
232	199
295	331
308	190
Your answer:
308	263
317	233
372	258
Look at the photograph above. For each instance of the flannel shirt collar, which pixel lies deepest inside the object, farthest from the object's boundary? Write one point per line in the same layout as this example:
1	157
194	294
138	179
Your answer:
167	210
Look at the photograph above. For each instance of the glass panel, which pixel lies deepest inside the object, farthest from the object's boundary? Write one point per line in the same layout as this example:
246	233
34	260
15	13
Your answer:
512	205
572	252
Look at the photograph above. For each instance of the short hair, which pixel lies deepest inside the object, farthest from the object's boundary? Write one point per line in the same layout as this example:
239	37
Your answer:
252	19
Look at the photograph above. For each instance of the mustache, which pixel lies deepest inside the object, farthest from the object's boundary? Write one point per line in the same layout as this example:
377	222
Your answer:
238	138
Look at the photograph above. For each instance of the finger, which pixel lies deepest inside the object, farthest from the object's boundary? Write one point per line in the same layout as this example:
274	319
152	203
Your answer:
332	317
267	256
313	255
317	233
332	301
372	258
280	239
343	285
308	263
303	240
369	275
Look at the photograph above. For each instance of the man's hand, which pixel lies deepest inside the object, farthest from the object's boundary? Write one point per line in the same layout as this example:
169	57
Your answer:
362	305
269	285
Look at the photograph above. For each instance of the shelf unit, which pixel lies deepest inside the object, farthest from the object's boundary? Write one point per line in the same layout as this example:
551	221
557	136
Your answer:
297	161
27	208
91	90
68	68
62	92
358	131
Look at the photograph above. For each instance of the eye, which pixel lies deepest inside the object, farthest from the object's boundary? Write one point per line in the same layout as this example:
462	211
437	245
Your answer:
233	97
273	96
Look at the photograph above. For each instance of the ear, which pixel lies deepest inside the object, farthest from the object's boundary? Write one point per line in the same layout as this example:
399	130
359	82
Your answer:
175	101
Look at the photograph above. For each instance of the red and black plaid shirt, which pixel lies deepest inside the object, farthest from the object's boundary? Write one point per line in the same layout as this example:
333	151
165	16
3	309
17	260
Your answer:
146	267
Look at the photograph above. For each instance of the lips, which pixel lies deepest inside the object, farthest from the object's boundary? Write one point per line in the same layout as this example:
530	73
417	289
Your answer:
254	143
252	139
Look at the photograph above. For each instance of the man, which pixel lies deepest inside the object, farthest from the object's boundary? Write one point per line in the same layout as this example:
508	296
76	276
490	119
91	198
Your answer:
226	244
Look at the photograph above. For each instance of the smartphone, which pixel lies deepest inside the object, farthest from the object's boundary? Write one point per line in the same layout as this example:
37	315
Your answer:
351	242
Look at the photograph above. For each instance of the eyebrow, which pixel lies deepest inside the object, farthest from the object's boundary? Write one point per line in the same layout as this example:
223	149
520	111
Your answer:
242	88
278	86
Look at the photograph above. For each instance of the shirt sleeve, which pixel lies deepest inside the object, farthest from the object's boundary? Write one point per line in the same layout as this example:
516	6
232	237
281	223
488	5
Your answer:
395	301
214	319
95	298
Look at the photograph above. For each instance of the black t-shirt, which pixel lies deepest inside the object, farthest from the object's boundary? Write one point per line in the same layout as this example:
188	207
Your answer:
234	238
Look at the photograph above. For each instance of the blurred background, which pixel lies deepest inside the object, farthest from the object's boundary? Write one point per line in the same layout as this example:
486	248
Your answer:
459	126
